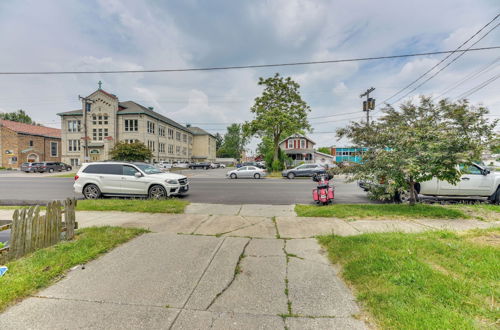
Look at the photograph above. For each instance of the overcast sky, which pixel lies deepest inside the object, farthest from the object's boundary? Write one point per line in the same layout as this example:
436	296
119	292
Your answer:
114	35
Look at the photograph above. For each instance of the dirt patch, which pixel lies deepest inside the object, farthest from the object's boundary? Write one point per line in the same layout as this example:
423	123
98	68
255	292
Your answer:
441	269
491	239
481	214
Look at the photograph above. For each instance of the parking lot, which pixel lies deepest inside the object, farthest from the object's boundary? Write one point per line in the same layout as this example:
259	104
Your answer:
206	186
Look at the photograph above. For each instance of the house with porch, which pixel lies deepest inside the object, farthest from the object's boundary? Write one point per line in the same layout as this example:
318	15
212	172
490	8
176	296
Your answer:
300	149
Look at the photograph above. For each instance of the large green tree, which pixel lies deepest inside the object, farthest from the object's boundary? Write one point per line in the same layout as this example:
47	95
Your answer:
136	151
219	139
19	116
419	142
279	112
234	142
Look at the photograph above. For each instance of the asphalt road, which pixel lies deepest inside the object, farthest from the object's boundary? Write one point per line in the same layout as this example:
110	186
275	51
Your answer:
205	187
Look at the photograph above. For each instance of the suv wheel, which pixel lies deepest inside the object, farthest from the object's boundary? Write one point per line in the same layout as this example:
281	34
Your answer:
291	175
256	176
68	168
91	191
157	192
233	176
496	197
51	170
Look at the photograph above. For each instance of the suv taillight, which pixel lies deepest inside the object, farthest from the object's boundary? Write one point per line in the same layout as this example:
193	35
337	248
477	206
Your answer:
76	177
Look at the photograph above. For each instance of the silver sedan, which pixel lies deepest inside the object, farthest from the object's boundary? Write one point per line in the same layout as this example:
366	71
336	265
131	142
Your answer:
247	172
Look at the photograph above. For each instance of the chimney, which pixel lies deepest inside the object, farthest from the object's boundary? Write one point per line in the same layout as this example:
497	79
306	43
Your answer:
151	108
188	125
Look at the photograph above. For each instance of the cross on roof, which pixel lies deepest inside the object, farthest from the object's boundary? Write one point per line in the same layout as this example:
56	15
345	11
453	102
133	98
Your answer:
100	84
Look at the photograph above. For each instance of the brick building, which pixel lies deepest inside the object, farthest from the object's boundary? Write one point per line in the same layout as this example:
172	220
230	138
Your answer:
21	143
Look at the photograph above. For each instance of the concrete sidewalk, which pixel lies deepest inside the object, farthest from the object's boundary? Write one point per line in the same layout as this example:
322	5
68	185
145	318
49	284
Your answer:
206	270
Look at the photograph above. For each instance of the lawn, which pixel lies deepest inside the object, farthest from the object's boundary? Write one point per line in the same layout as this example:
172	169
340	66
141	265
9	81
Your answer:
380	211
172	205
432	280
43	267
64	175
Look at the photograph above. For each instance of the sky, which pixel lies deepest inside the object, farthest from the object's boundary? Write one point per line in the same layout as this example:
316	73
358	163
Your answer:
59	35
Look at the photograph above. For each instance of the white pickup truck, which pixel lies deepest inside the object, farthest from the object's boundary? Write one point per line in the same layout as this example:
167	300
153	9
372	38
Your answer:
476	181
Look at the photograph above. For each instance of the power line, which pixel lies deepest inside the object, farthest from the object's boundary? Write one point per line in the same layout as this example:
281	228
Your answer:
457	50
478	87
447	65
247	66
468	77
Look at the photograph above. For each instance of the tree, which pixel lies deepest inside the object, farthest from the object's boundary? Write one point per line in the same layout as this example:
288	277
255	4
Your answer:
136	151
234	142
19	116
325	150
219	139
420	142
279	112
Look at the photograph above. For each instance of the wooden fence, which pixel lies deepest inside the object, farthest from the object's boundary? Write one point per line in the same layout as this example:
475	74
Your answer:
30	231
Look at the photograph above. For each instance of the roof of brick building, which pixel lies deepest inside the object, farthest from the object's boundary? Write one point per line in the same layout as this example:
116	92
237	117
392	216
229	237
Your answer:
31	129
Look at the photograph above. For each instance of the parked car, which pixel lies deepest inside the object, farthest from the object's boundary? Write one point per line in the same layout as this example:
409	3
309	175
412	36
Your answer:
475	182
29	167
247	172
303	170
194	166
256	164
94	180
52	167
180	164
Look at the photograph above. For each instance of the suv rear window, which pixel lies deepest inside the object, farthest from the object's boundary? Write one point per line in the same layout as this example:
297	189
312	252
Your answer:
104	169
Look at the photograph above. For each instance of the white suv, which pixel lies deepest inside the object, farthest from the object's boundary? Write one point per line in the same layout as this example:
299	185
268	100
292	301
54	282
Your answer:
94	180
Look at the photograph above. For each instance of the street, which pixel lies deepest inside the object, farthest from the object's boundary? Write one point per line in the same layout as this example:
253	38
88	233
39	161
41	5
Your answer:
209	186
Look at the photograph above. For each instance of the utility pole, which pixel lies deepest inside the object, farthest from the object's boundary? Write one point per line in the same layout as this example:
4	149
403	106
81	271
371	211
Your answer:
369	104
86	108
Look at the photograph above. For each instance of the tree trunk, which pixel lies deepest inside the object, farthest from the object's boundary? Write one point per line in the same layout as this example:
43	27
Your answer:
276	156
413	198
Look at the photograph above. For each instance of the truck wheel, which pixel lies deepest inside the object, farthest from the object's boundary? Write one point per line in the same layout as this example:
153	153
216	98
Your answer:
496	197
403	197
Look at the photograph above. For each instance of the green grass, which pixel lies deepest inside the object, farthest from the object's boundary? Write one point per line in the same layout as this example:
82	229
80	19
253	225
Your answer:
43	267
64	175
133	205
1	245
385	211
432	280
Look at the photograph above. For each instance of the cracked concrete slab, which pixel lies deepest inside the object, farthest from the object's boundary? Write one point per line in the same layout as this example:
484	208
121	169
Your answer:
260	210
201	320
302	227
212	209
155	269
457	224
258	289
379	226
315	290
226	224
301	323
265	248
219	274
262	229
52	314
307	248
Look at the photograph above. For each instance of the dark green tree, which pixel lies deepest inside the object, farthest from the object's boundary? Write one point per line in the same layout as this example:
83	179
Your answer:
234	142
19	116
279	112
219	139
136	151
420	142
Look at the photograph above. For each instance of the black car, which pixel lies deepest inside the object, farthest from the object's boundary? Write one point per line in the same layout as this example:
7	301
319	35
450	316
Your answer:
52	167
303	170
194	166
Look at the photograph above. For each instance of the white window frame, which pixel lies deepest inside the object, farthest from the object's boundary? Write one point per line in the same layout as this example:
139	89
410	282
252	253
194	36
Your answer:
290	144
302	144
